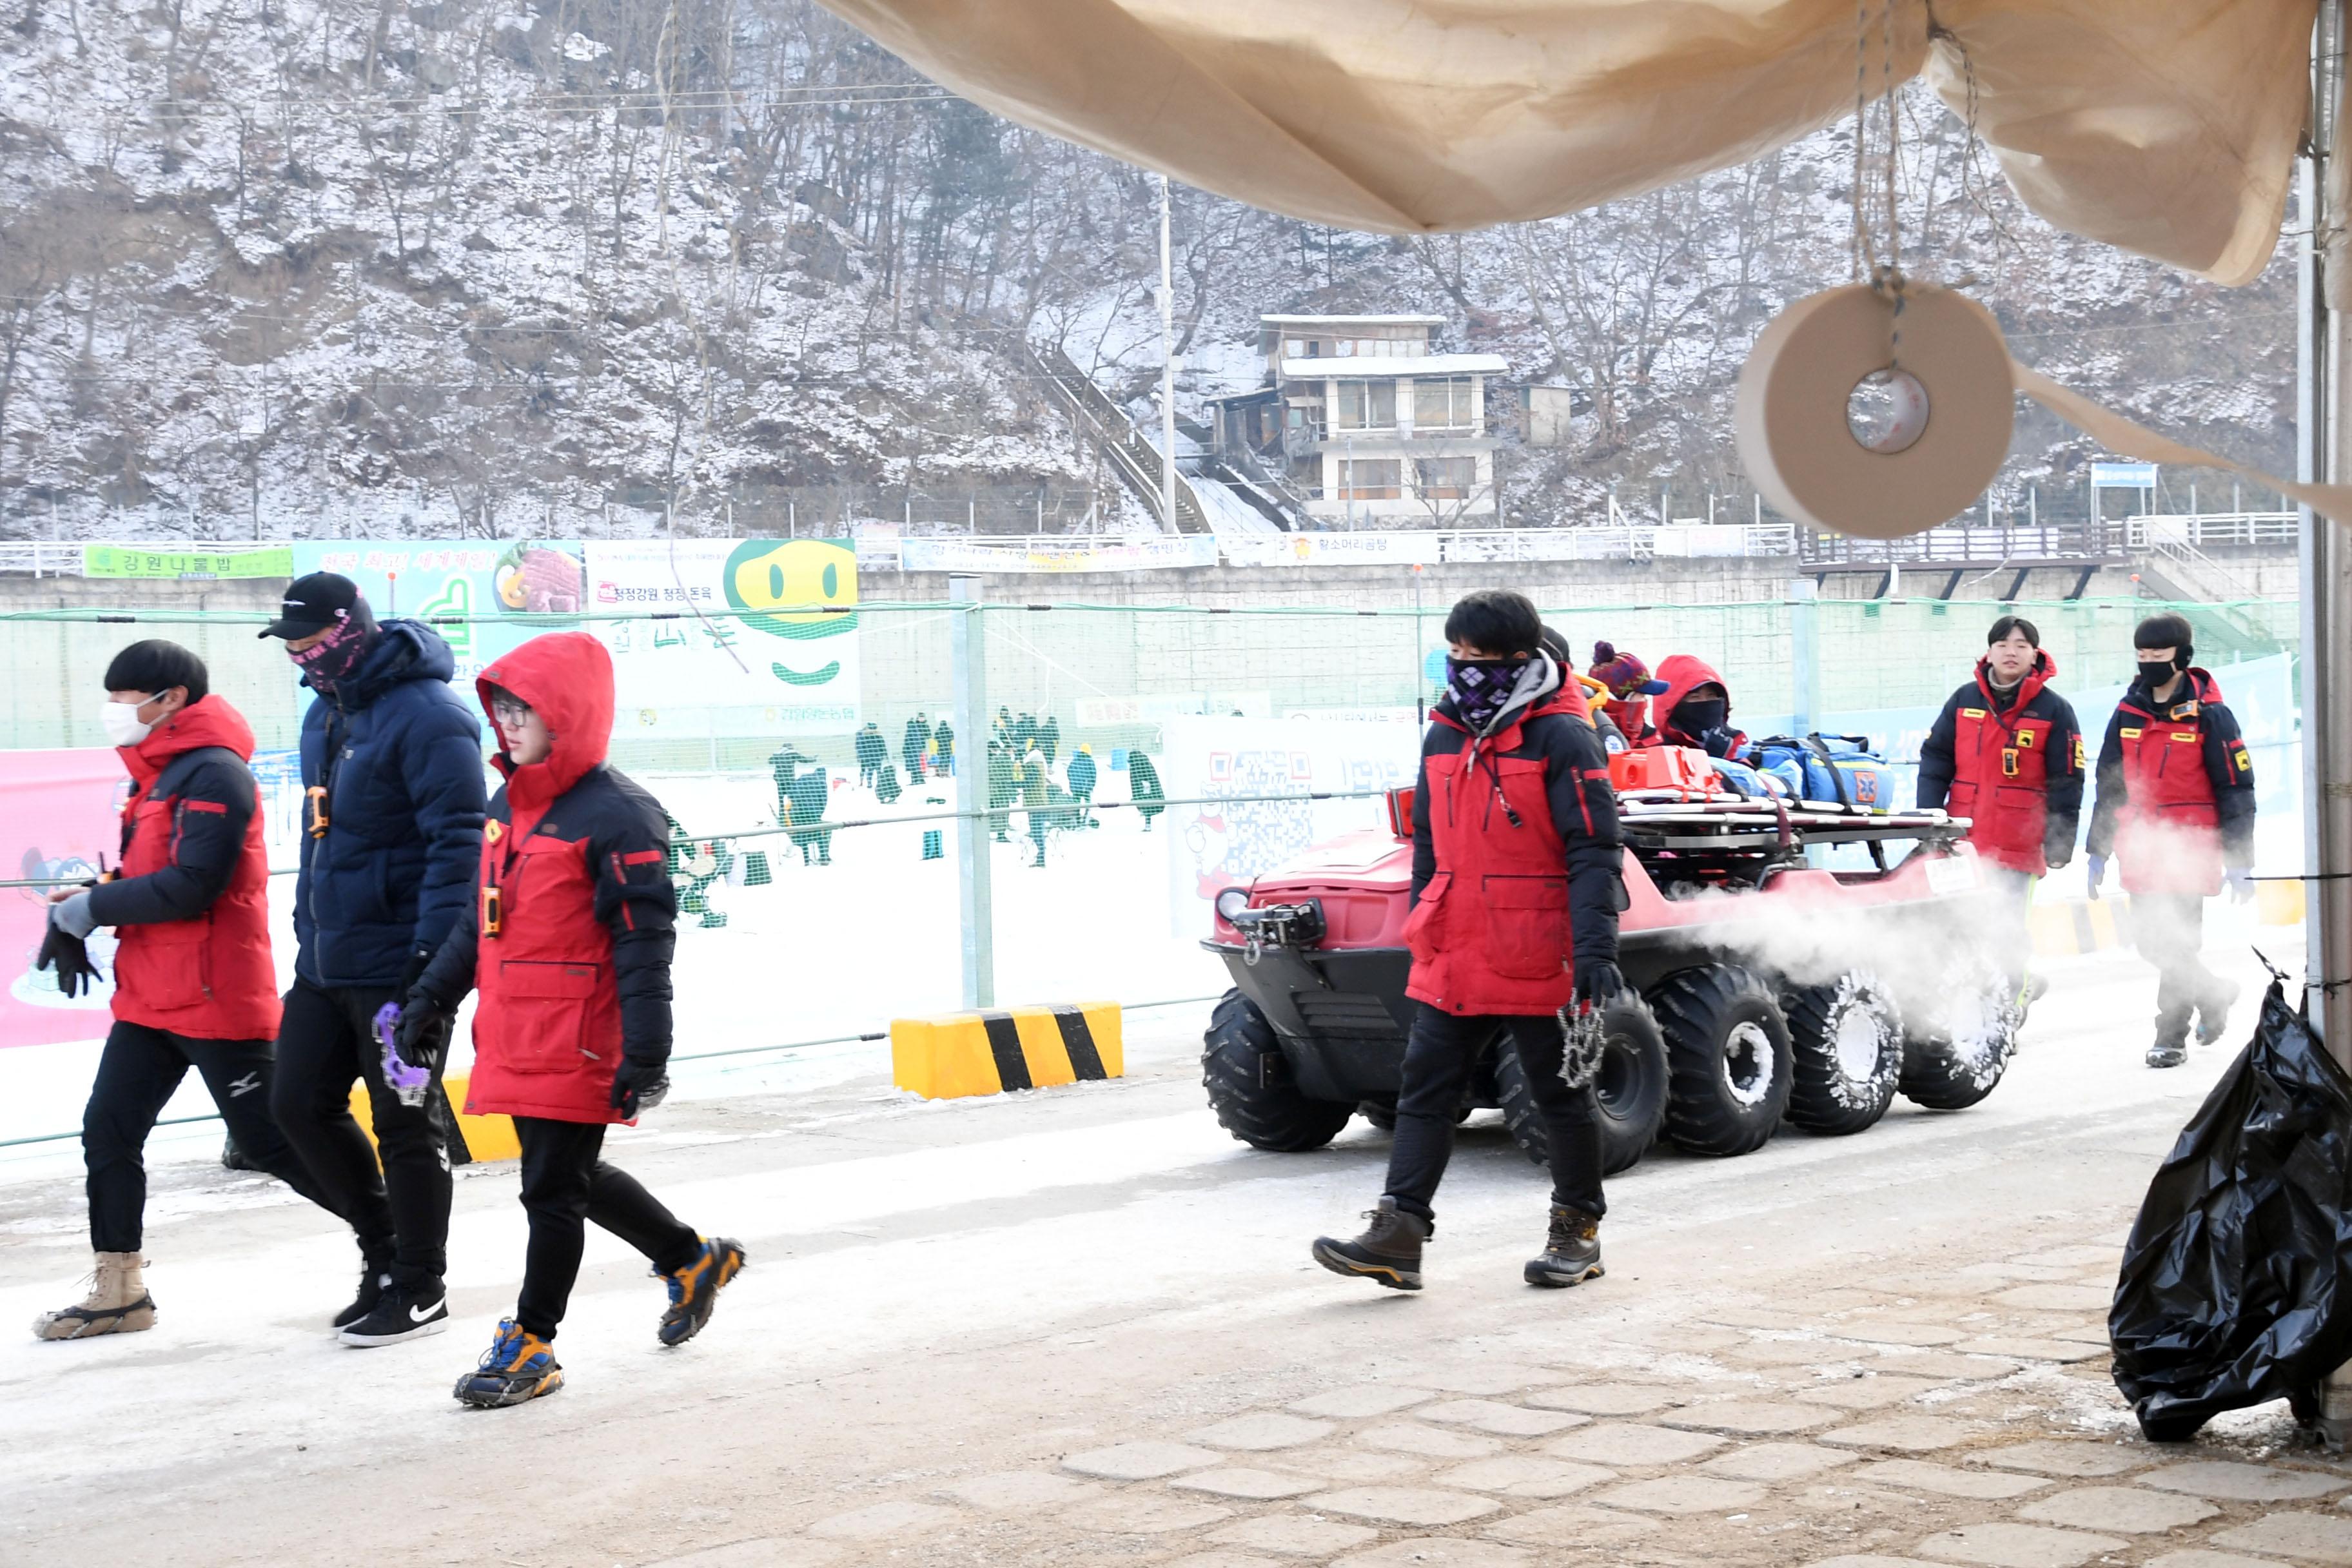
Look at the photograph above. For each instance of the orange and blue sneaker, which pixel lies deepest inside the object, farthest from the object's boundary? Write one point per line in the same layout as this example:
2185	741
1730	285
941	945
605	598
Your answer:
694	1289
518	1365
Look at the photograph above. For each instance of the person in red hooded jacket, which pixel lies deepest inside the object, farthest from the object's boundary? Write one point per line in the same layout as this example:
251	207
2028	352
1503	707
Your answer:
1516	882
569	942
194	984
1695	709
2176	805
2007	753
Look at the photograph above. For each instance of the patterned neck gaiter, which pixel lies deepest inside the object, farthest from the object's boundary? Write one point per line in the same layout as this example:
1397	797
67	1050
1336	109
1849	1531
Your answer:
1480	687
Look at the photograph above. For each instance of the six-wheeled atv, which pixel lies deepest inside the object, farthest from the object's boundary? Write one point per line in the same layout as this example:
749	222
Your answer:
1764	987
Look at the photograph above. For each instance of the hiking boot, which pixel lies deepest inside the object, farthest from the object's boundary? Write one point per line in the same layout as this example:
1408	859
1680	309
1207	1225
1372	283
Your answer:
2166	1054
403	1313
1388	1253
2213	1012
1572	1253
694	1289
518	1365
118	1303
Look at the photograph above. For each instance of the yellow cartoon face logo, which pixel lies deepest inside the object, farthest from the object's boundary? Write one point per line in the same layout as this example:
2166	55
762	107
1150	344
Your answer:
794	587
797	588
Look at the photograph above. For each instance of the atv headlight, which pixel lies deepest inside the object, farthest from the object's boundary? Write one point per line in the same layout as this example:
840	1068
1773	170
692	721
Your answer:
1230	903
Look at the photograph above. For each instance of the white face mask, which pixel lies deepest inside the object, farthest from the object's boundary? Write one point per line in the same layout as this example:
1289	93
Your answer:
120	723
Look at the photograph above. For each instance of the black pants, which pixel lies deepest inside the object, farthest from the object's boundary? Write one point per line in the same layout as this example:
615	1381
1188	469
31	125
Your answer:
138	1073
1438	1059
564	1182
401	1210
2011	936
2169	928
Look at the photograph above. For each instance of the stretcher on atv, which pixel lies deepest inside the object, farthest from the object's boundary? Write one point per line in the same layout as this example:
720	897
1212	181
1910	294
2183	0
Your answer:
1763	987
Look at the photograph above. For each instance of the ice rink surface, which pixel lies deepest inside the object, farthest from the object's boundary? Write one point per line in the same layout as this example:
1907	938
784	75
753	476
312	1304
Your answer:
937	1290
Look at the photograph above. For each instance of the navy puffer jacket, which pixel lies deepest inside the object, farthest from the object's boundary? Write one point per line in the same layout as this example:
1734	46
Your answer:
401	757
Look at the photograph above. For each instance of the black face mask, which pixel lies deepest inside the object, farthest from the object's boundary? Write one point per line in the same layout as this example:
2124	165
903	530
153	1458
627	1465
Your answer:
1698	715
2156	671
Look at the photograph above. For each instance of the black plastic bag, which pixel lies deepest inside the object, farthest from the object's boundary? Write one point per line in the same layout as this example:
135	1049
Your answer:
2237	1283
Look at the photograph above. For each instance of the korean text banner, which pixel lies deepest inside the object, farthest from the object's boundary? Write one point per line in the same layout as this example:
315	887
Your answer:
505	591
757	636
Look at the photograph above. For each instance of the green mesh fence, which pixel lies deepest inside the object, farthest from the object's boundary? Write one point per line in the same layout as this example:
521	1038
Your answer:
1112	675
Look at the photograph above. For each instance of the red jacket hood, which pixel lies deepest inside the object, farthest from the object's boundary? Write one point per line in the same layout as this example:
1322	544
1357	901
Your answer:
1684	674
2043	671
209	721
567	678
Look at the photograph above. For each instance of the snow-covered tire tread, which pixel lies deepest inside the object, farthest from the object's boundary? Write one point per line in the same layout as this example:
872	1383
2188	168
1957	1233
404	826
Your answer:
1706	1014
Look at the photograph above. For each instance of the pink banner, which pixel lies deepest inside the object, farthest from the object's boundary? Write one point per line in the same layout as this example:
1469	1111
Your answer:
57	817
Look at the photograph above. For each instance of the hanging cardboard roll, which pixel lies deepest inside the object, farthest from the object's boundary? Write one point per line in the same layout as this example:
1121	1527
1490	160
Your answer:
1944	388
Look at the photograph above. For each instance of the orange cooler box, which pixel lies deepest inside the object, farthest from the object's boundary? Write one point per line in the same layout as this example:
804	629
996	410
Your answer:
1663	767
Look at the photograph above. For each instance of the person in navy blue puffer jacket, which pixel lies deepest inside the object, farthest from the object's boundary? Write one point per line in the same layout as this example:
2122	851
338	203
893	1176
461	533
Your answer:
392	770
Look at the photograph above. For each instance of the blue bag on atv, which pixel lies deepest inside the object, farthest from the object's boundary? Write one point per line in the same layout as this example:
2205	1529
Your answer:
1740	779
1842	769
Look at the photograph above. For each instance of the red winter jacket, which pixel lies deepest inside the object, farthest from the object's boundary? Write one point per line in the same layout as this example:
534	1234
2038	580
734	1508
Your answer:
192	903
2014	770
570	936
1684	674
2176	790
1516	862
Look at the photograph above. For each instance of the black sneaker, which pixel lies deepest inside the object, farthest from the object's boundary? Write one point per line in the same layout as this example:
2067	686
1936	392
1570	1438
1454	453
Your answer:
373	1283
1388	1253
1572	1253
694	1289
2213	1012
402	1313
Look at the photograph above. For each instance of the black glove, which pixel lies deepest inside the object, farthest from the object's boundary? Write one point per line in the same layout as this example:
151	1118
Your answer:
639	1084
1718	741
413	972
423	1036
64	950
1598	981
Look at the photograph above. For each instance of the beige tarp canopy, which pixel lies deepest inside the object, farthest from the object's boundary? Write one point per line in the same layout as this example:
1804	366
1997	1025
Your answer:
2165	127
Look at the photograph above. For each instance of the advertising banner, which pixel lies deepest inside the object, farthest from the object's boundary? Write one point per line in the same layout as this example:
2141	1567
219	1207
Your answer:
61	818
757	636
187	561
1079	555
1377	549
1211	846
493	585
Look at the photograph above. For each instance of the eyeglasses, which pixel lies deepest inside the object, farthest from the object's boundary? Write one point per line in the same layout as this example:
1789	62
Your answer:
508	711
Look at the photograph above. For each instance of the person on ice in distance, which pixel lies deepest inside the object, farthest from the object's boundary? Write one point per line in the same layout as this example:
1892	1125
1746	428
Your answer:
392	771
193	982
2176	805
2007	755
916	741
1517	884
1082	775
569	940
1695	709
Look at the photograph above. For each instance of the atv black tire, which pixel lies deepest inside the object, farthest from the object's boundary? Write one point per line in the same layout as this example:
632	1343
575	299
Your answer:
1959	1042
1846	1040
1631	1090
1250	1087
1728	1047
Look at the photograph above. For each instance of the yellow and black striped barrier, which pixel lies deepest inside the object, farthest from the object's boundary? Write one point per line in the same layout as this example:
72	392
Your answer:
961	1054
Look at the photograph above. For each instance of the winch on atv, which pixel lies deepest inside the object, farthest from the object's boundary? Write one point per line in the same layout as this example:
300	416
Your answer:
1737	1019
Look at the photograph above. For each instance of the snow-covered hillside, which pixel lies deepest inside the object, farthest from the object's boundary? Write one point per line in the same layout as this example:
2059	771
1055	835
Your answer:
315	267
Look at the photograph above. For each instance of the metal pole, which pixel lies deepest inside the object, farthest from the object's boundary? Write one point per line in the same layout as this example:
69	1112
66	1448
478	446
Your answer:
1805	653
967	659
2324	574
1167	371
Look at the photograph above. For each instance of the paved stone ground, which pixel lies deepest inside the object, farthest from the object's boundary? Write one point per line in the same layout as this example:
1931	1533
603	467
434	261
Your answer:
1942	1415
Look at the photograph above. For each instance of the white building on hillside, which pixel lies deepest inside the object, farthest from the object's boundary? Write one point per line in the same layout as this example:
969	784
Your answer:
1366	421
